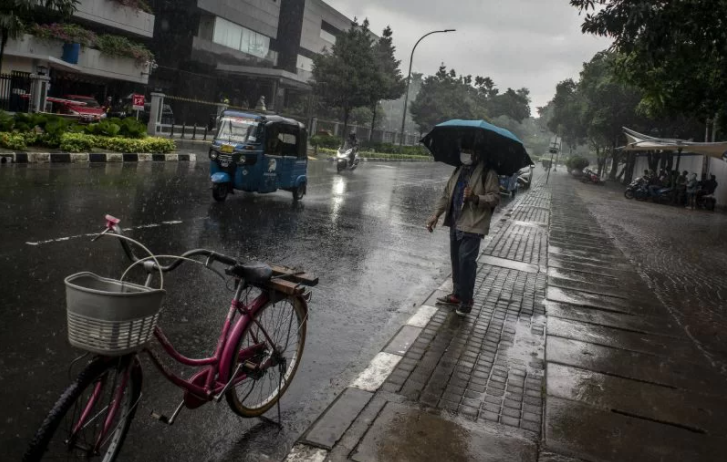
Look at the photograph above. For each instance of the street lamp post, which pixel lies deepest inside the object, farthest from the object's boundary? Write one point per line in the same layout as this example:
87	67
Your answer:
408	78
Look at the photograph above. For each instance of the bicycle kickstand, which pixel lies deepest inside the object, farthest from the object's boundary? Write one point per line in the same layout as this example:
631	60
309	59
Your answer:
267	420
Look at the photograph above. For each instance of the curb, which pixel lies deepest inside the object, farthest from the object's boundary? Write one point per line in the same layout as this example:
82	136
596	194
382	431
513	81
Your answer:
382	159
319	439
73	158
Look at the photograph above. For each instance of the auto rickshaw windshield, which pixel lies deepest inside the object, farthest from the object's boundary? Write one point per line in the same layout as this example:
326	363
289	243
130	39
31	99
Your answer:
238	130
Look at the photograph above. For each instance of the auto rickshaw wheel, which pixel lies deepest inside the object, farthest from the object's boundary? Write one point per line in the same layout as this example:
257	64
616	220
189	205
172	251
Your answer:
299	192
220	191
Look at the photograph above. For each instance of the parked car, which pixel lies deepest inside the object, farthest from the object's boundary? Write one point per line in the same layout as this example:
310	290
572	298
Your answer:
86	107
525	177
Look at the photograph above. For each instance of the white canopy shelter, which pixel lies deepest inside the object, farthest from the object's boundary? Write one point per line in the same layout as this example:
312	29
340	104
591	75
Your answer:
640	142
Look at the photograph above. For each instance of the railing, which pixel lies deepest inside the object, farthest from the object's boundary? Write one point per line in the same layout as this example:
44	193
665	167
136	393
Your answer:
12	88
192	132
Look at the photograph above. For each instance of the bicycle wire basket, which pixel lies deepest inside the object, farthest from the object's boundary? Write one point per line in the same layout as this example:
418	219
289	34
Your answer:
108	316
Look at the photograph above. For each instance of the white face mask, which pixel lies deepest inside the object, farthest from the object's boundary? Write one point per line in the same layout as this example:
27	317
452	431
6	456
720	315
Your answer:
465	158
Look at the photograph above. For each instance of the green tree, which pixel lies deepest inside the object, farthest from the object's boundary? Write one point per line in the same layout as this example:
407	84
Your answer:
344	76
16	15
444	96
513	104
391	83
609	106
675	52
567	110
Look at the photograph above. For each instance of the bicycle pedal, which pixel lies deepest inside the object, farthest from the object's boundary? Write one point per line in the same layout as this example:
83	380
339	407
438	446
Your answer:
168	420
250	366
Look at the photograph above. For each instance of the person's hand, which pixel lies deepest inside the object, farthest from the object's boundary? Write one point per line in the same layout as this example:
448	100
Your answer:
470	196
432	223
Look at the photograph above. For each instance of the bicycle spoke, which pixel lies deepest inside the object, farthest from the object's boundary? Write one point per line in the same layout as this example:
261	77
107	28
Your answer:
278	326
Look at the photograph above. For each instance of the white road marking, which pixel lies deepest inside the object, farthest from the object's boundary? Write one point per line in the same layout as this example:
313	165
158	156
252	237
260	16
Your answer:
422	316
376	373
68	238
304	453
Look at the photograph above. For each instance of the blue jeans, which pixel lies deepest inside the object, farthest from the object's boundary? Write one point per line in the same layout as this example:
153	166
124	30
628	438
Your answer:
464	252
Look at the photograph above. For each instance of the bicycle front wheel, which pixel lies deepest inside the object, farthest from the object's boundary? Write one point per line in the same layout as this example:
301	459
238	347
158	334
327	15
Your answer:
92	417
278	337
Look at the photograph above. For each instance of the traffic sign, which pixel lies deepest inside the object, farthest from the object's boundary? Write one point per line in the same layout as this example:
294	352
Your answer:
137	102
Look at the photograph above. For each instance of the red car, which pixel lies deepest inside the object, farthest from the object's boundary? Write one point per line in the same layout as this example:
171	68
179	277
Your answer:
86	107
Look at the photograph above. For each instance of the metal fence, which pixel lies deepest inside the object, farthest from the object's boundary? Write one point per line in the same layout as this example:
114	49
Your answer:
364	133
186	118
12	88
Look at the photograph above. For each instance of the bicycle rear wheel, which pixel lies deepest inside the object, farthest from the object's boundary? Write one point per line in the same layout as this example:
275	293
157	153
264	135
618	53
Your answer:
73	427
285	323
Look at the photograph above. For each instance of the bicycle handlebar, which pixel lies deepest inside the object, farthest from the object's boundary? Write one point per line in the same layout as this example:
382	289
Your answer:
112	225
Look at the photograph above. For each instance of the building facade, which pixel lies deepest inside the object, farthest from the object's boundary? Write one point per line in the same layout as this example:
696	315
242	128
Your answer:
82	69
241	51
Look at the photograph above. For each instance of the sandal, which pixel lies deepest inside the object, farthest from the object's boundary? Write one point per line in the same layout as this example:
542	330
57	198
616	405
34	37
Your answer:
450	299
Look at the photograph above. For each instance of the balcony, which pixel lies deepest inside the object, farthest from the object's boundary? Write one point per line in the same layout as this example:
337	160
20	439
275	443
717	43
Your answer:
90	61
112	14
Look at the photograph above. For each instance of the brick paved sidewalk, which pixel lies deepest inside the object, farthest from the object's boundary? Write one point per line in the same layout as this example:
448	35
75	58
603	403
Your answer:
616	377
461	388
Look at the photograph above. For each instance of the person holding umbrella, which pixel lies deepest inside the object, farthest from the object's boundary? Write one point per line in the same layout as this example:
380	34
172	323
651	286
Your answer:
467	202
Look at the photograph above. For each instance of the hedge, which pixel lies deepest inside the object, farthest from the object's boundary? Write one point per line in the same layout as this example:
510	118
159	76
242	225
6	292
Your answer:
325	141
48	130
81	142
577	163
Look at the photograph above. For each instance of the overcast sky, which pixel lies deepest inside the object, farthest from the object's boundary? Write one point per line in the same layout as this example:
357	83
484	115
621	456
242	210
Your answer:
518	43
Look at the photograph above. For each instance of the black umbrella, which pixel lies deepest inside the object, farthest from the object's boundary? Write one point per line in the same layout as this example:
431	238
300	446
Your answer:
502	150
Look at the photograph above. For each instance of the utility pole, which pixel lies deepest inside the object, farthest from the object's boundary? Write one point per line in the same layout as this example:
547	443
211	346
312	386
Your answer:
556	143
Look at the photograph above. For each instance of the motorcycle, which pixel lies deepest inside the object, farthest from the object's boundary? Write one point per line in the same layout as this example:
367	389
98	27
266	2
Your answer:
637	190
343	159
591	177
706	202
662	195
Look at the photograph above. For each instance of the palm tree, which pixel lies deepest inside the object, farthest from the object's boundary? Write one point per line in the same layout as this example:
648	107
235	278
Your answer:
16	14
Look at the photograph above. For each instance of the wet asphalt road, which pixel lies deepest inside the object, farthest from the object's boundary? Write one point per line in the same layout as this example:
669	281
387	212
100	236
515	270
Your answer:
361	233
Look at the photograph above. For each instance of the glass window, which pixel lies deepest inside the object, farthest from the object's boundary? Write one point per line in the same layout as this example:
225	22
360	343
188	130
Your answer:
240	38
238	130
328	37
305	63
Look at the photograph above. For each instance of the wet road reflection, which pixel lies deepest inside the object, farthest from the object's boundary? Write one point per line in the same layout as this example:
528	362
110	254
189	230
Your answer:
361	233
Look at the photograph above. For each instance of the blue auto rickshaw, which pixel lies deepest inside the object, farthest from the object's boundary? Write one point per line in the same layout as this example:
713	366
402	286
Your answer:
258	153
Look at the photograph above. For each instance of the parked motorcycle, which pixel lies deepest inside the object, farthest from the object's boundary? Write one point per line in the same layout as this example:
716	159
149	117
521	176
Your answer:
706	202
637	190
591	177
662	195
343	160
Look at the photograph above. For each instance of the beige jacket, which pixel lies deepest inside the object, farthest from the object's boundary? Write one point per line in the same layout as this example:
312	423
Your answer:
475	218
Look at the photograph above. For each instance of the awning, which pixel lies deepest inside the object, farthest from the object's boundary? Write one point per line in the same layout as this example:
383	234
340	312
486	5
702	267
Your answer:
641	142
285	78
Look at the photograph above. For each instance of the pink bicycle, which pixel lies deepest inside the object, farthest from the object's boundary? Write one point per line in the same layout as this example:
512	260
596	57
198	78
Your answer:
254	362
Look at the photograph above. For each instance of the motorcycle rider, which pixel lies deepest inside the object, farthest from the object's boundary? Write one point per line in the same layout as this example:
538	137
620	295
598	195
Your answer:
352	144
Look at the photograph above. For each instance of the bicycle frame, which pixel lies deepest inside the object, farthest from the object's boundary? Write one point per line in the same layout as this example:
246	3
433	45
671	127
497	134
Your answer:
205	385
214	377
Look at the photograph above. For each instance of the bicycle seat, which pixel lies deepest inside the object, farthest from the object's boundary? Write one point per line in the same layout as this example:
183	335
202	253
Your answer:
254	273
